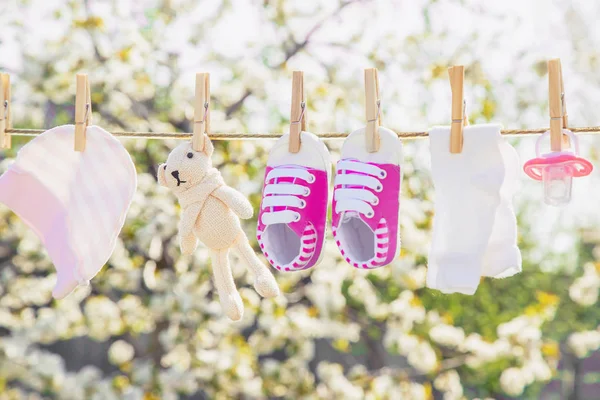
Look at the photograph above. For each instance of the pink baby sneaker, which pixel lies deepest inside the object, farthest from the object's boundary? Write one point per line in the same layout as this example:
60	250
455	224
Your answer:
293	211
366	200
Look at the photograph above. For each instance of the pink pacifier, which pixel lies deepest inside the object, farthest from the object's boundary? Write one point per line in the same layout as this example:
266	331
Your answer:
557	170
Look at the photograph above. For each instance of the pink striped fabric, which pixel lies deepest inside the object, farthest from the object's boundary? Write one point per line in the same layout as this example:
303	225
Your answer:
307	250
382	248
76	202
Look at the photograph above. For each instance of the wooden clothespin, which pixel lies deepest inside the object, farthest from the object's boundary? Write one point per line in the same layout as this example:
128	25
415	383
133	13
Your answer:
373	110
558	109
83	110
5	118
201	111
298	111
459	117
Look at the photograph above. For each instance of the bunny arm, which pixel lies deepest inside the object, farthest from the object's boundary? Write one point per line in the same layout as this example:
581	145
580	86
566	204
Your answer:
188	244
188	219
187	239
236	201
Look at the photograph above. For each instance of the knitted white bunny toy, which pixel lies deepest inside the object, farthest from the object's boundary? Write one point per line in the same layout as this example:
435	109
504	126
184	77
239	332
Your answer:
209	212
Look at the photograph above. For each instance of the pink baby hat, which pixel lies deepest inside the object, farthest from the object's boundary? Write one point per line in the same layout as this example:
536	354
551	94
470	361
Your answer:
75	202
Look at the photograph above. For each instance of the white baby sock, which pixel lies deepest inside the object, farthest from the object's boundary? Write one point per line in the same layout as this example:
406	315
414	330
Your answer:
502	257
467	195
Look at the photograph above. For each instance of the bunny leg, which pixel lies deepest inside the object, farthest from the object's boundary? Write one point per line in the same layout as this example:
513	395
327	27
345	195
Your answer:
264	281
231	302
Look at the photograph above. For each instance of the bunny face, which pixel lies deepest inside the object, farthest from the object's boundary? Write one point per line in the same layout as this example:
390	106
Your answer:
185	168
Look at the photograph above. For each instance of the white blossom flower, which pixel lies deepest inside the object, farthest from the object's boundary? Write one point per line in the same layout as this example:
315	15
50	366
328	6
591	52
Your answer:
449	383
337	383
103	316
529	334
512	381
382	385
484	351
537	369
584	291
447	335
581	343
415	277
411	390
514	326
423	358
120	352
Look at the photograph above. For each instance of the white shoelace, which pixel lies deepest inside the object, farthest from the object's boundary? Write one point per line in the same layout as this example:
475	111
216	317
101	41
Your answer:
285	194
358	198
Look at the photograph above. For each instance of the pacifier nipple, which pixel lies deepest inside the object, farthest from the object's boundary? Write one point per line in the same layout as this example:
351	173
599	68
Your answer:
558	181
556	189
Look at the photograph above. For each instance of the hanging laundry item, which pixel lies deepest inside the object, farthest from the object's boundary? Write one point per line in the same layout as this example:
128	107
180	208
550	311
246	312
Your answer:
366	193
474	226
75	202
211	212
502	256
557	169
293	211
366	201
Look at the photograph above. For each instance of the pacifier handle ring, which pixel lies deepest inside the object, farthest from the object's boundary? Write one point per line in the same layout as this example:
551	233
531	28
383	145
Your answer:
582	168
567	132
533	171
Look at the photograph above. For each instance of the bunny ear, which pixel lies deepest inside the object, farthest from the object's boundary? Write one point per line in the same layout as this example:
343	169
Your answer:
160	175
208	146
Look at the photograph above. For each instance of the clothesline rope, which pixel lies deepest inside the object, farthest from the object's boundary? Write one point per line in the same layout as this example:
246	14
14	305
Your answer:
269	135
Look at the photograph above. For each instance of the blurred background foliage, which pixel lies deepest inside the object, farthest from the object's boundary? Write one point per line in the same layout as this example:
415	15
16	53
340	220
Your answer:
150	326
